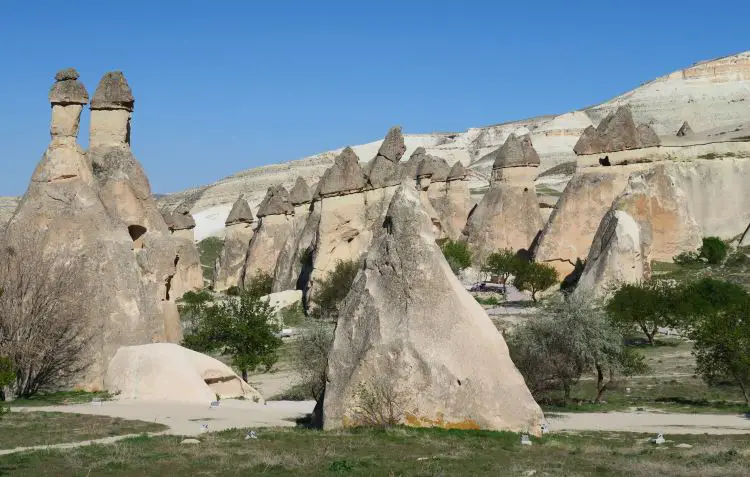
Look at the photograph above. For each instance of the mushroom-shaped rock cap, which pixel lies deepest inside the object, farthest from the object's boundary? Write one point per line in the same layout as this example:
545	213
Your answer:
685	130
300	193
410	168
516	152
647	136
113	92
181	218
240	213
345	176
457	173
393	147
590	142
67	89
276	202
439	166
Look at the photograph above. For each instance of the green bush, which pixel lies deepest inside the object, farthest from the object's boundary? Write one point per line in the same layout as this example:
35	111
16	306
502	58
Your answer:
714	250
737	259
686	258
535	277
457	254
644	305
260	284
332	290
502	264
309	359
209	250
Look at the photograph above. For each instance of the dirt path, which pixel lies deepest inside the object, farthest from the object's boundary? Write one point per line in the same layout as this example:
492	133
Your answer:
650	422
71	445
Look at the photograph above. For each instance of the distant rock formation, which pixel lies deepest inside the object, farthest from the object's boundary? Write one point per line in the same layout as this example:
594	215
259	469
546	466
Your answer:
98	208
685	130
408	325
508	216
276	224
384	170
239	231
674	205
297	251
451	201
616	132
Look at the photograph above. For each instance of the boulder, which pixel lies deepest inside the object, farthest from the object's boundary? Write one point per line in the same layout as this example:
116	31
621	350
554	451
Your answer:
393	147
343	177
685	130
276	202
168	372
410	327
67	90
300	193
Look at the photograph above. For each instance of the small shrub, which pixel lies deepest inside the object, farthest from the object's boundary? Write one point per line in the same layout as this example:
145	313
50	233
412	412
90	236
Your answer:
686	258
333	289
293	315
457	254
489	301
379	403
737	259
535	277
714	250
261	284
309	359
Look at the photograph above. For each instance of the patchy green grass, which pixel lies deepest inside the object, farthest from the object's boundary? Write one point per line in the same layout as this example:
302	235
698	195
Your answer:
488	300
544	190
23	429
60	398
397	452
297	392
209	249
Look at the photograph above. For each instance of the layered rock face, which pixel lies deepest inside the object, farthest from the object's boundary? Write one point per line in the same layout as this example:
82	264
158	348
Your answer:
7	209
239	231
409	325
105	217
674	206
296	253
276	215
508	216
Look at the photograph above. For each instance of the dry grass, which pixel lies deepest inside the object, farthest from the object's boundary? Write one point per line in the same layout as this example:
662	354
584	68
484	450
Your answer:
23	429
398	452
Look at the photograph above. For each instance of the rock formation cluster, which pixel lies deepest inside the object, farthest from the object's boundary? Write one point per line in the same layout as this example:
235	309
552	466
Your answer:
616	132
97	206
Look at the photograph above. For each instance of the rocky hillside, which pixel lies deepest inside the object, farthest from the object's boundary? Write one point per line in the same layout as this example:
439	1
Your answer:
7	207
709	94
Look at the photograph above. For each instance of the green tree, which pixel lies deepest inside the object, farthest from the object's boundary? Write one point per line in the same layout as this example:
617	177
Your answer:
332	290
714	250
645	305
310	358
534	277
503	264
457	254
260	284
722	347
241	327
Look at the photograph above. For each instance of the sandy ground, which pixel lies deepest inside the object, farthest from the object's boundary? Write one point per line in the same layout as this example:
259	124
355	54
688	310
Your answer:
650	422
186	419
272	384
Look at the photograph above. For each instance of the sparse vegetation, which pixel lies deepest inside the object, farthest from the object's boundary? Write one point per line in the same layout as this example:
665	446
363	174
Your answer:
332	290
487	301
457	254
43	330
260	284
502	264
379	403
309	359
534	277
713	250
7	376
209	249
240	327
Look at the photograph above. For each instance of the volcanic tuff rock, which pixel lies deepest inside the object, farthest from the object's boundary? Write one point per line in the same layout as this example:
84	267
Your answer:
168	372
675	205
300	193
7	209
451	201
409	326
515	152
685	130
233	254
105	216
113	92
616	132
276	216
709	95
345	176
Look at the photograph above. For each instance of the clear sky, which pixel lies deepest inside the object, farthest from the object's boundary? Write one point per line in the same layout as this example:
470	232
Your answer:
222	86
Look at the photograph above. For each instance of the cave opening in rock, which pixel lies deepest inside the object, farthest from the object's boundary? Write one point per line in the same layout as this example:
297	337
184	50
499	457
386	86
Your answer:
136	235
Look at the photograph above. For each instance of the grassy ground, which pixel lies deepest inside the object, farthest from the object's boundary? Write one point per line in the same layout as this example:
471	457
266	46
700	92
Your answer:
396	452
22	429
59	398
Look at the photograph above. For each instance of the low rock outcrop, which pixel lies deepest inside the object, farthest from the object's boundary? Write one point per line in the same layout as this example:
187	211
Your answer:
616	132
276	216
508	215
239	231
168	372
409	326
685	130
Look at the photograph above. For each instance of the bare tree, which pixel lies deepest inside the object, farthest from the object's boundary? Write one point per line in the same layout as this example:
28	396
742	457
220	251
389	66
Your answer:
43	330
379	403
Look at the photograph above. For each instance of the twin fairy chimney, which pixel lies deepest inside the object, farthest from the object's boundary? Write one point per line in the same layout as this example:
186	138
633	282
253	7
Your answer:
230	265
408	325
96	209
616	132
275	214
508	215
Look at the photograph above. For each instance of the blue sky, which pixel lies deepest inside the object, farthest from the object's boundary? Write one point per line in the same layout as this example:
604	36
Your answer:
225	86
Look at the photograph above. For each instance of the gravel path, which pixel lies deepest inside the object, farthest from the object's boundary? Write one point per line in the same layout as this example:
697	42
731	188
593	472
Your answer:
650	422
71	445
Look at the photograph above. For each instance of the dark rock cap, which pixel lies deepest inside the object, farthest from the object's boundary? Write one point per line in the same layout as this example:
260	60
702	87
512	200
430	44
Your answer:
181	218
276	202
300	193
393	147
67	89
516	152
381	172
457	173
410	168
590	142
616	132
240	213
440	168
647	136
343	177
685	130
113	92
